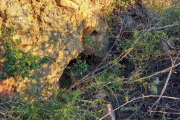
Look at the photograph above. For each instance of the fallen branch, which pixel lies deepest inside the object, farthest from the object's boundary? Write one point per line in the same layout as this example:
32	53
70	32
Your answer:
163	27
162	71
168	97
165	112
166	83
164	88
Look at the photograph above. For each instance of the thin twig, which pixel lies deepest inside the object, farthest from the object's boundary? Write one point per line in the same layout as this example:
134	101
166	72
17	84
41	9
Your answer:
162	71
97	68
114	97
168	97
165	85
163	27
110	49
164	88
121	57
165	112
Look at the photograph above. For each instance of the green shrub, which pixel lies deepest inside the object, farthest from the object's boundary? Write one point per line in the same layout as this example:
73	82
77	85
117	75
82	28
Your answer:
68	105
147	46
172	17
17	62
121	4
79	69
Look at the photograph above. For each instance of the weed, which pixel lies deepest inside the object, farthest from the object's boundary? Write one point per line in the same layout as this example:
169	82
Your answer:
17	62
79	69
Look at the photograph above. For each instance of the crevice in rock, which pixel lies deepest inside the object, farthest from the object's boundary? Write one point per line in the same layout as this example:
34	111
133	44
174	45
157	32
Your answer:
94	32
66	79
89	30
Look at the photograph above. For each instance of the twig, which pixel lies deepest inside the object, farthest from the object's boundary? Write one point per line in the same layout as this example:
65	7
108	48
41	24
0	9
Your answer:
163	27
125	109
165	112
163	90
114	97
122	57
162	71
124	54
165	85
176	57
174	98
109	50
97	68
143	78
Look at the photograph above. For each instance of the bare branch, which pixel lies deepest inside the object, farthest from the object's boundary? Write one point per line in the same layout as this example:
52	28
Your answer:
149	96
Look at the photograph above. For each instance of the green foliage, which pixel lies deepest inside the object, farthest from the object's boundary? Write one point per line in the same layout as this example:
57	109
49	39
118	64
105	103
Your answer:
121	4
90	43
172	16
79	69
147	46
109	81
154	86
154	89
156	82
17	62
88	39
68	105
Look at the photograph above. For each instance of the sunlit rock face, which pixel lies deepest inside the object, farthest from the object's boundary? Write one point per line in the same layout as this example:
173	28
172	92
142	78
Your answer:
55	28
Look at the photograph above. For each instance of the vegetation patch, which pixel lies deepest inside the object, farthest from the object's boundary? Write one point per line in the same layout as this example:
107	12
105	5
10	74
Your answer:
17	62
139	77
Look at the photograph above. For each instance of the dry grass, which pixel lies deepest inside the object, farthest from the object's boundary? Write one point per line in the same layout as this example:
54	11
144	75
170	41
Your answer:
7	87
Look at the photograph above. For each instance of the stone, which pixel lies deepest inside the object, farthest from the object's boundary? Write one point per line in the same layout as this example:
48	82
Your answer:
167	46
111	115
67	4
53	28
101	95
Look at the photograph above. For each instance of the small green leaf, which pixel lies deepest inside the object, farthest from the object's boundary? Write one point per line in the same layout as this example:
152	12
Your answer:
156	82
45	60
154	89
5	73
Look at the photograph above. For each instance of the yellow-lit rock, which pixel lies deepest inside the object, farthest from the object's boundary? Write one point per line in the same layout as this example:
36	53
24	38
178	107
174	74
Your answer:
54	28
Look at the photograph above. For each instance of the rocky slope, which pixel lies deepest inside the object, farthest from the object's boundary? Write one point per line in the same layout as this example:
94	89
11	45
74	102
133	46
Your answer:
55	28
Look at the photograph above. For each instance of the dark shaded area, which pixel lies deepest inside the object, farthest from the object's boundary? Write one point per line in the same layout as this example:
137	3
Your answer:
66	79
136	18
